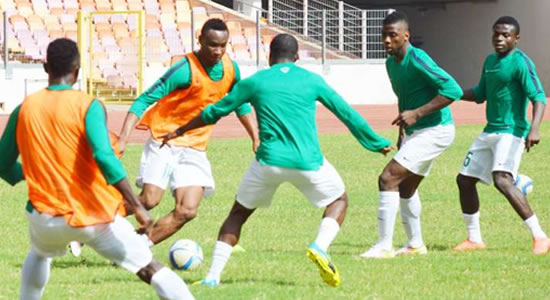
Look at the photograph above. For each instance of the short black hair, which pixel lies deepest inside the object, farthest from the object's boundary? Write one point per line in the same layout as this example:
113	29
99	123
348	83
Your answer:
507	20
62	57
395	17
284	46
213	24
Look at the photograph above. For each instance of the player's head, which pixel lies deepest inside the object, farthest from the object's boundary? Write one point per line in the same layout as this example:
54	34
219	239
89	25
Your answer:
213	40
395	32
62	60
505	35
283	48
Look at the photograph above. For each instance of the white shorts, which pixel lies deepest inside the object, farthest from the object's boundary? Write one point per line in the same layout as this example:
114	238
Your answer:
493	152
116	241
260	182
418	150
179	166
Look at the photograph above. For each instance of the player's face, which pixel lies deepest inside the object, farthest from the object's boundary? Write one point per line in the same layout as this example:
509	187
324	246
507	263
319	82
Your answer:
213	44
394	37
504	38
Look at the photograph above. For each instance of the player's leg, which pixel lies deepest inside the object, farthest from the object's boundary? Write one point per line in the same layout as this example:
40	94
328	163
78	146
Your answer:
410	208
323	188
151	195
187	204
388	182
476	167
49	237
228	237
508	151
119	242
34	276
256	189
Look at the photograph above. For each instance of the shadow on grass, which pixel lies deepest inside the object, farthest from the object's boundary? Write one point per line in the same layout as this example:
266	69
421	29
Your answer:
63	264
256	280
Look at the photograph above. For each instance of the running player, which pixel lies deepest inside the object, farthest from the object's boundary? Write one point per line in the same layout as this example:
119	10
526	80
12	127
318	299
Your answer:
508	82
284	97
196	80
424	91
77	188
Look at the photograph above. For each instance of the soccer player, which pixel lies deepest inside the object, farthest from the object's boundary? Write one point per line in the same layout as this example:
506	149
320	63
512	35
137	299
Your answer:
424	91
508	82
77	188
284	97
196	80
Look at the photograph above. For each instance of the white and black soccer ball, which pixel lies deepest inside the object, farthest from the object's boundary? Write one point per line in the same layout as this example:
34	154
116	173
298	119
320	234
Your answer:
185	255
524	183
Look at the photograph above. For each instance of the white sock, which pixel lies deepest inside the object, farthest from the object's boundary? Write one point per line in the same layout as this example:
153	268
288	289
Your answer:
148	241
533	224
170	286
472	227
327	232
387	211
222	252
35	274
410	217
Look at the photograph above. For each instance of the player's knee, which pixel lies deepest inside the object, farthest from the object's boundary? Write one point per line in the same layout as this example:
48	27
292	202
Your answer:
150	200
463	182
502	181
385	181
184	213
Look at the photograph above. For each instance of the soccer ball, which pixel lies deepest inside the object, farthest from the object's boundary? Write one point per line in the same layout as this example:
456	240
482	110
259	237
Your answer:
524	183
185	255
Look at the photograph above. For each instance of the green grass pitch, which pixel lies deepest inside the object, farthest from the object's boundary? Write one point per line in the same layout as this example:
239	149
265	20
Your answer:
275	265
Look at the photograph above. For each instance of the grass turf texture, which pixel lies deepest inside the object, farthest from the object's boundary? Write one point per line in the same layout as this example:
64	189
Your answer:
275	265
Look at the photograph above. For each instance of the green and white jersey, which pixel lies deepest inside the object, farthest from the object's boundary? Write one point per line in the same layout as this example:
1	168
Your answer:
284	97
507	83
416	80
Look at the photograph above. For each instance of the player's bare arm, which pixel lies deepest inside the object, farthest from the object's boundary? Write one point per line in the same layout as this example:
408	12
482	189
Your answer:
248	124
197	122
134	205
410	117
468	95
129	124
533	137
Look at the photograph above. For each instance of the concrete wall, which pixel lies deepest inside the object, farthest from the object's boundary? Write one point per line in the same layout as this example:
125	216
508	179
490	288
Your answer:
458	36
357	82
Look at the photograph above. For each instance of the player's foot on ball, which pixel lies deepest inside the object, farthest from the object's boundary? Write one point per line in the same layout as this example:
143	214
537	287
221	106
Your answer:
75	248
468	245
206	282
422	250
377	252
327	269
541	246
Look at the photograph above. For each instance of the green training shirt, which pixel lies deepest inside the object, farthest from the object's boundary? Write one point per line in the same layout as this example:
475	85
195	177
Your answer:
507	83
416	80
96	134
179	76
284	98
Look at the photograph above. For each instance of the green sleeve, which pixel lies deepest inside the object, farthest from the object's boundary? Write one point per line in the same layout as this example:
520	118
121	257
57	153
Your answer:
98	139
178	76
526	73
245	108
351	118
436	77
241	93
10	169
481	88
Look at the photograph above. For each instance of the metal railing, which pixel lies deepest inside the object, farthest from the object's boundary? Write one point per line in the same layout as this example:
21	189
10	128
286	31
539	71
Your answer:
348	29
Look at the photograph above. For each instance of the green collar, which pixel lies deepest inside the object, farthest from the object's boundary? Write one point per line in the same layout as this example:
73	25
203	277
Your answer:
60	87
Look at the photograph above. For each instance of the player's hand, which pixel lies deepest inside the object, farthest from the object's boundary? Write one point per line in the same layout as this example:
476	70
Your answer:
144	220
167	137
121	147
406	118
255	145
387	150
532	139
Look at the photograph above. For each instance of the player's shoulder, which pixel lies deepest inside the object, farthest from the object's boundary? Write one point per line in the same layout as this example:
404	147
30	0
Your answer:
420	56
522	59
